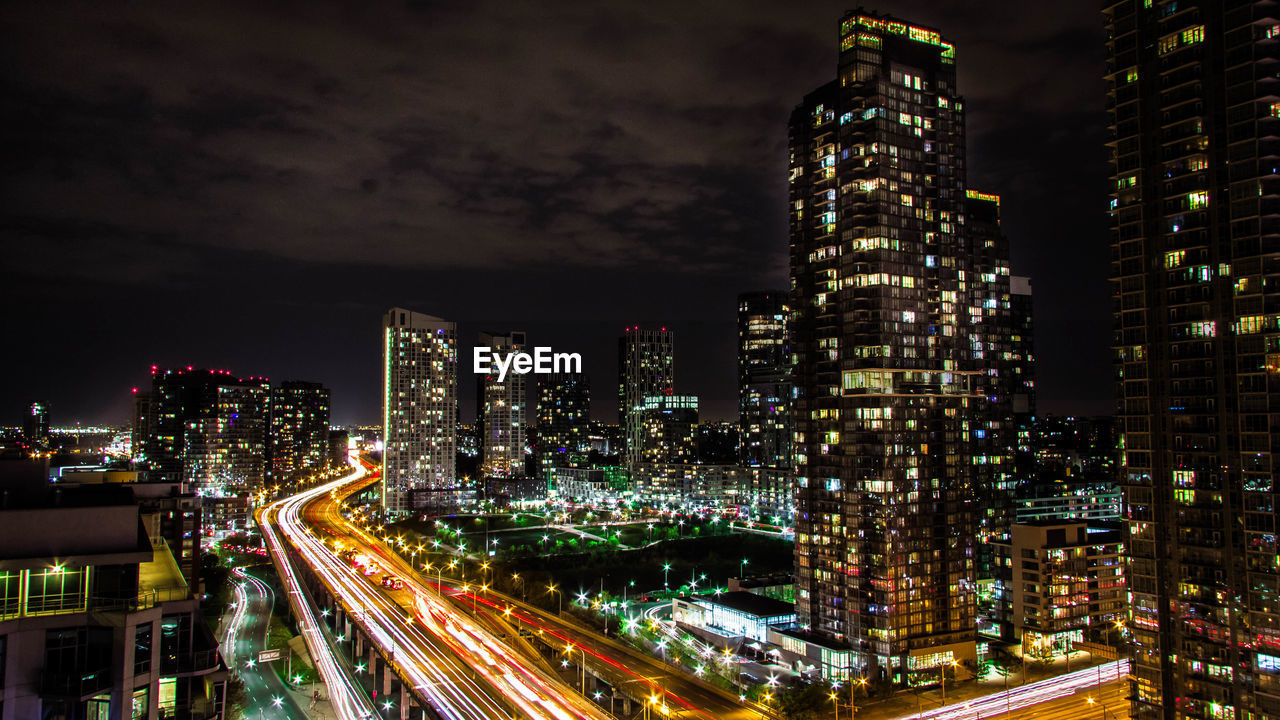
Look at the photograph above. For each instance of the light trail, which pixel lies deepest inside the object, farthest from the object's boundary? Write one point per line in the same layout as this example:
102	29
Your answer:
657	690
1027	696
347	699
488	657
242	602
457	690
237	620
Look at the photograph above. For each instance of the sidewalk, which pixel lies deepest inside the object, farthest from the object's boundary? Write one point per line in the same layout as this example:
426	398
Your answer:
303	698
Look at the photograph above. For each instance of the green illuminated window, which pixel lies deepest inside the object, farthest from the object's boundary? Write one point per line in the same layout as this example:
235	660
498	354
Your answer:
57	590
10	593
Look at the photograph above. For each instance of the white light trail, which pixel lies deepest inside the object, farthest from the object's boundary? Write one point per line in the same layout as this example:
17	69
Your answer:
1028	695
347	699
452	687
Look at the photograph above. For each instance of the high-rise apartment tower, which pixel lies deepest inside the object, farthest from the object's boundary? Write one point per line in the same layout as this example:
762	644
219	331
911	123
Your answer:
646	367
1193	104
419	408
898	421
764	380
502	410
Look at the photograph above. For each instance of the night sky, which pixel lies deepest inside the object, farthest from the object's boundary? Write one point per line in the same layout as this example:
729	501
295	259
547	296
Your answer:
249	185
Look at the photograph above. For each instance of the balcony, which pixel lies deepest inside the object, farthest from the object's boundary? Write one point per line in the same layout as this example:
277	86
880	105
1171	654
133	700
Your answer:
74	685
196	662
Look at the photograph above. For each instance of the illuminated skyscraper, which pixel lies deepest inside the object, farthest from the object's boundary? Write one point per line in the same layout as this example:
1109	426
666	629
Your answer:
419	409
298	441
646	367
564	420
35	424
668	426
208	429
501	412
764	380
900	422
1195	247
141	427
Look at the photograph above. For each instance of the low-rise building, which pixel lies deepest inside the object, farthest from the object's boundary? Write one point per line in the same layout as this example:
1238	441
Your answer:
734	614
591	486
96	617
779	587
1068	583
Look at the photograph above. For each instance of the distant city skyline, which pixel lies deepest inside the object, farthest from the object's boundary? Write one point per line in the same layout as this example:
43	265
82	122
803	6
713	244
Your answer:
264	217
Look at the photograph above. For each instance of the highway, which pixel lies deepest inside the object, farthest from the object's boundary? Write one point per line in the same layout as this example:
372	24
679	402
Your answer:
463	672
347	698
665	687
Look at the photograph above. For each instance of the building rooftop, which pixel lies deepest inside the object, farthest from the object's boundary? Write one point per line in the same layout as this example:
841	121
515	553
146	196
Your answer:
761	581
749	603
813	638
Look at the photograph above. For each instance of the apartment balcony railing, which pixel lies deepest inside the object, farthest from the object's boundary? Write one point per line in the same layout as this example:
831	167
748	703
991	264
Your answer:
74	685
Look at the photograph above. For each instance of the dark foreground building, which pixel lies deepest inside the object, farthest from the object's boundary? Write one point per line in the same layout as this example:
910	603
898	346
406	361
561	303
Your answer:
96	617
1194	118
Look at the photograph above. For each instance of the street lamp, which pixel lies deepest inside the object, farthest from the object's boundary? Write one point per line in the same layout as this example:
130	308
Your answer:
1091	701
741	566
853	704
666	568
568	650
953	664
551	590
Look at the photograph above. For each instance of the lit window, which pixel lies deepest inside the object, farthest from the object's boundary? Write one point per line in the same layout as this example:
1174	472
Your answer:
1250	325
1198	200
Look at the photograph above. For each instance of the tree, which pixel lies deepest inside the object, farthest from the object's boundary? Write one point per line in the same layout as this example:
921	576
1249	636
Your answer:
801	702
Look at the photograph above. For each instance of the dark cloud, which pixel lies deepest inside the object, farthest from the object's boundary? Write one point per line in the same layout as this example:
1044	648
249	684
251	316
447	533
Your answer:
251	185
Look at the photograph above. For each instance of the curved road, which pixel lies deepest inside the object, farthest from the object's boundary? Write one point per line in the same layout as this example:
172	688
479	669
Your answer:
245	632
